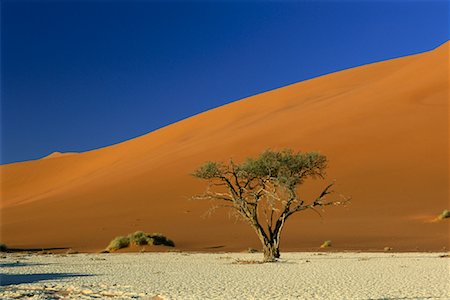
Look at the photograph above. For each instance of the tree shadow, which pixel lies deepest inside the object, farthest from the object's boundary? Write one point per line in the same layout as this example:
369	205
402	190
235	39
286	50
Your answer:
14	250
9	279
19	264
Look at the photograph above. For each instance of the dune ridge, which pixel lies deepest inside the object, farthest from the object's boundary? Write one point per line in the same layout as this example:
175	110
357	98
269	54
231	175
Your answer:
383	126
58	154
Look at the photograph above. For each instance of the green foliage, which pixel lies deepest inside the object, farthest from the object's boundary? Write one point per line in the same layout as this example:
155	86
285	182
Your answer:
285	167
444	215
139	238
118	243
209	170
3	247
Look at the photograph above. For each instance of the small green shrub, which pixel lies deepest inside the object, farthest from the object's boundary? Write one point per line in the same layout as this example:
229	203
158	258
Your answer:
139	238
3	248
118	243
326	244
444	215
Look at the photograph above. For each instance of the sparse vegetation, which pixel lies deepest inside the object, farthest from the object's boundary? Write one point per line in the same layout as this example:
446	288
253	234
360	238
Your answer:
139	238
246	262
444	215
118	243
326	244
3	247
159	239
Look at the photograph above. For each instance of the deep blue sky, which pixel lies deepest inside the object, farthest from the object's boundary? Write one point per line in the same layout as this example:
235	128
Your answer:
78	75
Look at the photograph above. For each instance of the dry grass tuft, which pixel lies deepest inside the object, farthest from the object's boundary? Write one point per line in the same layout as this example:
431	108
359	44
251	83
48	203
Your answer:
139	238
326	244
444	215
118	243
247	262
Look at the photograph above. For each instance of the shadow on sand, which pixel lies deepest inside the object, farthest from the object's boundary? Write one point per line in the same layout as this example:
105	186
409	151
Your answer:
19	264
8	279
14	250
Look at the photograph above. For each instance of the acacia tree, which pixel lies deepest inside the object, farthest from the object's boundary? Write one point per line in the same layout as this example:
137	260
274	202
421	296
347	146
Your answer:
264	191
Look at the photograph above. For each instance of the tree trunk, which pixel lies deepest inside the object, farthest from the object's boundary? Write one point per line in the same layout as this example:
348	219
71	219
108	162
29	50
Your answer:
271	251
271	244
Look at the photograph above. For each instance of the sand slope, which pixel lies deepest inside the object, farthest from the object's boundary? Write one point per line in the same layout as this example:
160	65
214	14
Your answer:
384	128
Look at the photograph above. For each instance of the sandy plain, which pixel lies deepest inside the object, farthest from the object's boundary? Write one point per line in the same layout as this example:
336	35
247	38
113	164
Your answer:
226	276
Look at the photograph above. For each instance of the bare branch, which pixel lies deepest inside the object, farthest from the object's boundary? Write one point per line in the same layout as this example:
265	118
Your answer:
315	210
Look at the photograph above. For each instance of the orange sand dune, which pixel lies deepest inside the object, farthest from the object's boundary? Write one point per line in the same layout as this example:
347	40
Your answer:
383	126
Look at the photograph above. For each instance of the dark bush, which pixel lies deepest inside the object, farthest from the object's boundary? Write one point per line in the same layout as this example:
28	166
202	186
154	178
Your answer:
3	248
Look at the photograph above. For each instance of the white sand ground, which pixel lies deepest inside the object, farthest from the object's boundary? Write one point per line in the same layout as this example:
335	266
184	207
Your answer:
218	276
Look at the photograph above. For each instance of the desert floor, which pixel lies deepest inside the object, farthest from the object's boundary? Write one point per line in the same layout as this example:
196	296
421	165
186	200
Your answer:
180	275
